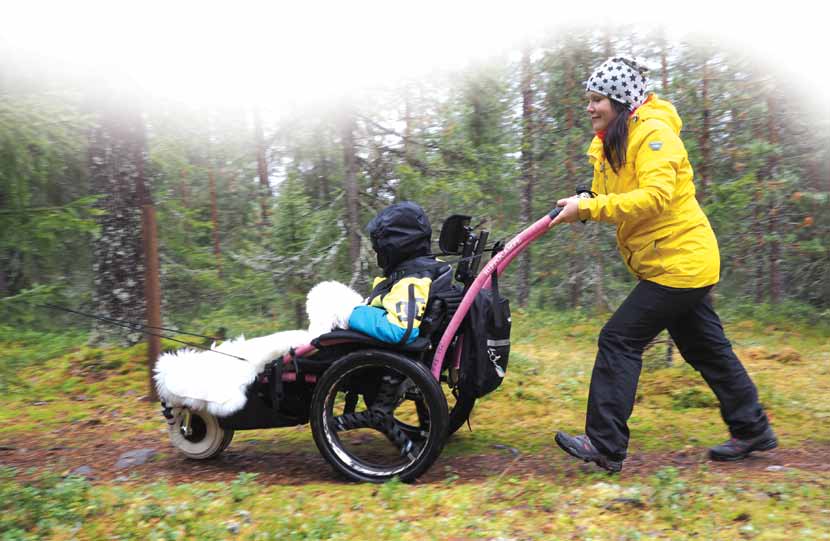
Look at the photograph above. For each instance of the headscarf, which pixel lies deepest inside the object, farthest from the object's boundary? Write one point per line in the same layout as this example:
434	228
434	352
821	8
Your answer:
622	79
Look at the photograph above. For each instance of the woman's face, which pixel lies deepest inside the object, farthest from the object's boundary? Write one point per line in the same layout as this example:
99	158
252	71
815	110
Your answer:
600	110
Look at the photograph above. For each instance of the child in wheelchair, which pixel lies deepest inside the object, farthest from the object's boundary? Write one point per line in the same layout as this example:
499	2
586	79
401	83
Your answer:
401	237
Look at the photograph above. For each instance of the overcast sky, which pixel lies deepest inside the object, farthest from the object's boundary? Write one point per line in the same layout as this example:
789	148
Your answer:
206	51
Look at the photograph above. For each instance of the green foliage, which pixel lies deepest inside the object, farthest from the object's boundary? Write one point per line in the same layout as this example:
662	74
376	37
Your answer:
23	348
670	493
33	510
243	486
45	212
392	493
693	397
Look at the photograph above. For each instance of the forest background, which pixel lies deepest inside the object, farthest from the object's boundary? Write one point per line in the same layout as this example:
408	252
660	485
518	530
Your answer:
258	200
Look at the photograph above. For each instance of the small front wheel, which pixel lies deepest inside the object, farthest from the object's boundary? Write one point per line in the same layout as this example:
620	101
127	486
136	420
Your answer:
197	434
376	415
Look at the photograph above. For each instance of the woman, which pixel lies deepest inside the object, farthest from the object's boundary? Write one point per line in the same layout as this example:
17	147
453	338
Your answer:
644	185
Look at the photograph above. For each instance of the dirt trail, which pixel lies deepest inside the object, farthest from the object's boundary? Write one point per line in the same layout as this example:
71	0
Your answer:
95	448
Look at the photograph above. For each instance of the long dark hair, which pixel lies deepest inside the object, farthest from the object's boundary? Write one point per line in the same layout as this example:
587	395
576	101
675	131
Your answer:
615	143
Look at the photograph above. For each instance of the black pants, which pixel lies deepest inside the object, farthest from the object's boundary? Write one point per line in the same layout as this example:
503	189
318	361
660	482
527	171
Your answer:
696	329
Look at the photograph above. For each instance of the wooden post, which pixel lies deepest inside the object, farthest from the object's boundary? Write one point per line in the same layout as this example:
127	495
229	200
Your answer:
152	290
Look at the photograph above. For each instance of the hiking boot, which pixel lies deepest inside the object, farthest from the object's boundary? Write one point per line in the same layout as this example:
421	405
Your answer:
581	447
737	448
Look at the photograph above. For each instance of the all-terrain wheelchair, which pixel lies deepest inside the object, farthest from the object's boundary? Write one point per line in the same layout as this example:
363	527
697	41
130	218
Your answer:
376	410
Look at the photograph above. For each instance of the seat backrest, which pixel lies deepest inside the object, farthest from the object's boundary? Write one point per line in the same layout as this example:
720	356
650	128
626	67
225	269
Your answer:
441	283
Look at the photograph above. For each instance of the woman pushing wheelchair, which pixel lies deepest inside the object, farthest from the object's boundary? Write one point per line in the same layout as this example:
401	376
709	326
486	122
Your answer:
643	183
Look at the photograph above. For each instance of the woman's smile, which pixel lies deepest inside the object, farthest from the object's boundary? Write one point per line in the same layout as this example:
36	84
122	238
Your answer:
600	110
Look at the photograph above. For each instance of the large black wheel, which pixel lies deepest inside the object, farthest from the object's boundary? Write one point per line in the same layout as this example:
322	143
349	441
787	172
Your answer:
460	410
376	415
200	437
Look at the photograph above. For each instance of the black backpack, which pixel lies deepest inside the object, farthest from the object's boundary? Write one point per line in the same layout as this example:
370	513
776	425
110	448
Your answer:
486	345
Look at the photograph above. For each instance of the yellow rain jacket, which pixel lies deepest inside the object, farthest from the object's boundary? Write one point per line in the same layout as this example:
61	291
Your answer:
662	233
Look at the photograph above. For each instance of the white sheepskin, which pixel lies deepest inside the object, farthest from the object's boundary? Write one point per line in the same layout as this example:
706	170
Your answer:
329	305
209	381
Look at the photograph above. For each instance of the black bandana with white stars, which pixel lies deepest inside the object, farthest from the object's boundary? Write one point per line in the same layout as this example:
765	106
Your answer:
631	91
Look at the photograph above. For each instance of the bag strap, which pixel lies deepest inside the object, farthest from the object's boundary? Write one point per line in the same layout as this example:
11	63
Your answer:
410	315
380	289
498	308
405	269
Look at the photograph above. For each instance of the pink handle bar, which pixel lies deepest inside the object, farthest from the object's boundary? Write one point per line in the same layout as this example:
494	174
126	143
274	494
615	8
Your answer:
497	264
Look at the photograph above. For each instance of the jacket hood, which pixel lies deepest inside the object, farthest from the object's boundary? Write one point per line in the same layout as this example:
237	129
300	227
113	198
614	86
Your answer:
653	108
656	108
399	232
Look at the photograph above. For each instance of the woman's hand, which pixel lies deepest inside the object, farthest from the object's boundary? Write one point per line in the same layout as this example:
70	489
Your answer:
570	211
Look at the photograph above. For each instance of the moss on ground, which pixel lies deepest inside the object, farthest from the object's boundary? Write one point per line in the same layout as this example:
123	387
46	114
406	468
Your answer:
546	390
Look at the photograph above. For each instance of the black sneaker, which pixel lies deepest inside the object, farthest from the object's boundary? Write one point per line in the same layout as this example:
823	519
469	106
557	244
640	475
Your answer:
737	449
581	447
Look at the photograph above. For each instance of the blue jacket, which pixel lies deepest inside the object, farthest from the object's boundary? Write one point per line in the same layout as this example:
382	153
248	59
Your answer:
388	314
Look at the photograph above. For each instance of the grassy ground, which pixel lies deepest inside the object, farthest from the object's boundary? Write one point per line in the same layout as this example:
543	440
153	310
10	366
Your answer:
503	480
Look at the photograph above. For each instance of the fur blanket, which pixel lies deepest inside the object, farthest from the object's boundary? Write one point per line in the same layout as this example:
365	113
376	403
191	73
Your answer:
216	383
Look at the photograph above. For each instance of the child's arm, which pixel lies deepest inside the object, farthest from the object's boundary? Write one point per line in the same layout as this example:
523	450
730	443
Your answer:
400	311
372	320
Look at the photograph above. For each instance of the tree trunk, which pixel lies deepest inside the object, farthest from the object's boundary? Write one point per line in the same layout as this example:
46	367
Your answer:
705	152
299	315
527	164
323	171
184	188
759	212
116	158
214	219
575	260
350	183
757	215
262	167
375	166
409	130
152	290
772	172
477	121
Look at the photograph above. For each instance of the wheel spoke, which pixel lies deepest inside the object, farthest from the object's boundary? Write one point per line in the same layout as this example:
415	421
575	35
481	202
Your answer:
364	419
389	395
351	402
406	440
